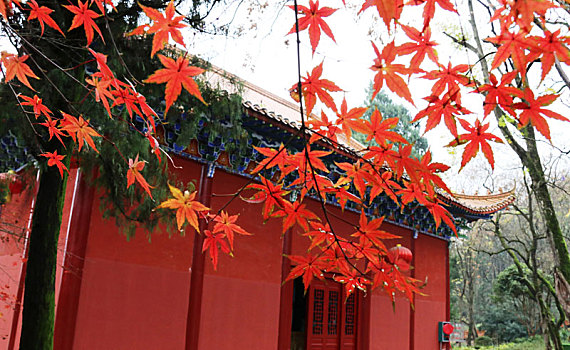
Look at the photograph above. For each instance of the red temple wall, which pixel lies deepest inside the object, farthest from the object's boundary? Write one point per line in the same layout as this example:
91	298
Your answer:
240	303
134	294
390	324
432	308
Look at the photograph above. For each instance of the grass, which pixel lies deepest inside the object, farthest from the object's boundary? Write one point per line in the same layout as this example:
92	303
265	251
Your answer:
535	343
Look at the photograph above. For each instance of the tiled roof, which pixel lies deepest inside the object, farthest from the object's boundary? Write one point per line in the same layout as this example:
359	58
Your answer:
287	113
269	104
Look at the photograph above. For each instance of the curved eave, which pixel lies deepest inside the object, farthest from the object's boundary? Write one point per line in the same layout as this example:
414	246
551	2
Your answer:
474	207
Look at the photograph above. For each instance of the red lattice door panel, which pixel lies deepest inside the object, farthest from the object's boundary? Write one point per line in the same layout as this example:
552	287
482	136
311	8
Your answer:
348	323
331	322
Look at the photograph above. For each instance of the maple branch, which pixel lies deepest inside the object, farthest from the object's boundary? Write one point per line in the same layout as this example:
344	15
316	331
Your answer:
36	134
497	111
561	72
463	42
119	54
47	59
299	85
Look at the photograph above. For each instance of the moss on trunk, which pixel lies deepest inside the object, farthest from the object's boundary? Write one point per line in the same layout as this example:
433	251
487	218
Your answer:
39	295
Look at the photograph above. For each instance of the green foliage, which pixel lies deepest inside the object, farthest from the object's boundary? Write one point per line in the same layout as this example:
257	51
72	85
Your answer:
509	283
483	341
123	136
502	322
534	343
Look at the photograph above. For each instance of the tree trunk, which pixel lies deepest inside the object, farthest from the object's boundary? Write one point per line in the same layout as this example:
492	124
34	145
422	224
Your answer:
39	295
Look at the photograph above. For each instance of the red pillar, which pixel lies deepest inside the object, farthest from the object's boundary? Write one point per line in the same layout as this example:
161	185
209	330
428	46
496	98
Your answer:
20	292
198	258
286	296
413	275
74	258
447	292
363	329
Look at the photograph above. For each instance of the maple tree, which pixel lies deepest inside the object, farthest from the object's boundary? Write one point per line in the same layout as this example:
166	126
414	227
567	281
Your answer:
359	259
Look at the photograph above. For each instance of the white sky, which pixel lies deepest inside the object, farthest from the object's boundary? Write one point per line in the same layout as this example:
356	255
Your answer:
264	55
267	57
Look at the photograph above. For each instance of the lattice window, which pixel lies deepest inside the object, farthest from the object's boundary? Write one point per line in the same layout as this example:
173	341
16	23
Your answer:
349	315
318	306
333	312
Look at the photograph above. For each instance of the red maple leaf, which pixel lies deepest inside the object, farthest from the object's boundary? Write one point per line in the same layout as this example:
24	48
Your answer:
211	242
313	86
128	97
186	207
379	129
423	46
383	183
154	145
79	130
514	45
439	213
350	120
102	65
6	7
405	162
320	234
499	94
386	71
387	9
51	124
448	77
429	8
226	224
273	158
295	212
42	14
134	174
313	20
55	159
85	17
176	75
533	112
430	171
447	107
552	46
355	173
102	92
349	277
343	195
15	67
412	191
381	154
308	267
521	12
36	102
310	180
323	128
476	138
308	160
101	5
269	194
370	231
163	26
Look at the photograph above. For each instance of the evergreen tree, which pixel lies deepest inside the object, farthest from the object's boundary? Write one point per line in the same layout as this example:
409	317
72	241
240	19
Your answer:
66	67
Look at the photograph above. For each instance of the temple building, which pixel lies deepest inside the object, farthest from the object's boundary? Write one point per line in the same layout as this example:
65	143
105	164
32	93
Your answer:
162	292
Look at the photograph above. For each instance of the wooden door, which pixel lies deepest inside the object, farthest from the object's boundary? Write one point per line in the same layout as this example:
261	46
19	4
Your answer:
331	322
348	323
